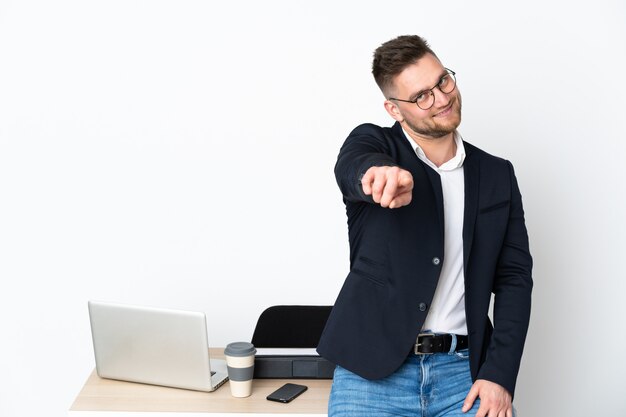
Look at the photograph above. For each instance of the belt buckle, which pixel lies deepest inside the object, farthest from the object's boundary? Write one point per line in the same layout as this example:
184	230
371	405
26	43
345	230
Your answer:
418	344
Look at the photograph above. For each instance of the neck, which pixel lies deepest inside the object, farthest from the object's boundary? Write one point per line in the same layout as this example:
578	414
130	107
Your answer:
437	150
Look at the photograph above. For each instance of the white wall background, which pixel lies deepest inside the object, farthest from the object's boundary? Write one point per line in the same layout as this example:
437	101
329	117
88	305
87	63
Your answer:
179	153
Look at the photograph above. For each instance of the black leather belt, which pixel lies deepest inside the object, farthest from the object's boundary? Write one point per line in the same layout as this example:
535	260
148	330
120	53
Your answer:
438	343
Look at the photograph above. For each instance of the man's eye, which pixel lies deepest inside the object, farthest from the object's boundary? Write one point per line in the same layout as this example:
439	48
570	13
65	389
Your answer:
421	97
444	80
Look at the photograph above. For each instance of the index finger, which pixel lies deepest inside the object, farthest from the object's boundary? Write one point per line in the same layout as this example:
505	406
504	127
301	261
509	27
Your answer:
389	192
469	400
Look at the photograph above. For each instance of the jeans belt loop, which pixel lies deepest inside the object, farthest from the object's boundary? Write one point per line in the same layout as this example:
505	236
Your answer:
453	343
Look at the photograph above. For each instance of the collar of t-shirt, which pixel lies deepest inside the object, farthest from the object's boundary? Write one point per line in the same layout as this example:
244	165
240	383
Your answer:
452	164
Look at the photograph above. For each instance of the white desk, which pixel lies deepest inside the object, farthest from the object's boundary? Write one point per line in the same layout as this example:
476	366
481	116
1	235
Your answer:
103	397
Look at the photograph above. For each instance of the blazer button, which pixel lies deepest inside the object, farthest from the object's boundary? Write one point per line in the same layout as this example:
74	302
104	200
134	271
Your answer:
436	261
422	306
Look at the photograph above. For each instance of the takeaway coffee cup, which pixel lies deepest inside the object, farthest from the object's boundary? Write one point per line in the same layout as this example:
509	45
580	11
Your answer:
240	363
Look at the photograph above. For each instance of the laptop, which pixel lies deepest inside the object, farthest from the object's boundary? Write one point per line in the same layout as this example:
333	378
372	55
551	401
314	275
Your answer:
154	346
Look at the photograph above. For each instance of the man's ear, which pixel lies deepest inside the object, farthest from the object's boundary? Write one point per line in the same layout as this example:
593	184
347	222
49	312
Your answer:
393	110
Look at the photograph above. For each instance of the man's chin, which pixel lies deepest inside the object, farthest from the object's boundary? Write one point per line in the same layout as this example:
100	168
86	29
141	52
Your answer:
436	133
447	128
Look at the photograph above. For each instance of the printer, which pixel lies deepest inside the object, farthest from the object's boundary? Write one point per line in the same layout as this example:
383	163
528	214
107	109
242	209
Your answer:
286	337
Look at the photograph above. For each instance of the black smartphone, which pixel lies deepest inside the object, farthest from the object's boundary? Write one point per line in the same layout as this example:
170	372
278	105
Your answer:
287	393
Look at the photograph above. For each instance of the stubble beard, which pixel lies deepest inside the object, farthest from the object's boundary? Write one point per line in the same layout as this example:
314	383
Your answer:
438	131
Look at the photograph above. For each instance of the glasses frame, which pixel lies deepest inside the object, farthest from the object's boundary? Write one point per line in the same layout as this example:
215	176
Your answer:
430	91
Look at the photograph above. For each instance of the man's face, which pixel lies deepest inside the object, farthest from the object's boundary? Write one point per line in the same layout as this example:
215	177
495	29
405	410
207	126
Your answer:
442	118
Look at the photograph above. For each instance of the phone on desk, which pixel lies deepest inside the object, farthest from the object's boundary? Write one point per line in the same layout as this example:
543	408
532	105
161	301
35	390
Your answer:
287	392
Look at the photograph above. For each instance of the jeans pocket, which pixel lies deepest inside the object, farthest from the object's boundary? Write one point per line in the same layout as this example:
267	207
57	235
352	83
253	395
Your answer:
463	353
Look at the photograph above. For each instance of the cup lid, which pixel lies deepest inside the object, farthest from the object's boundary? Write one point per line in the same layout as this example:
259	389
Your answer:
240	349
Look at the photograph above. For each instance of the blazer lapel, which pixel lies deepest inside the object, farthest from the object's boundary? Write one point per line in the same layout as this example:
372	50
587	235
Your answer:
431	174
471	170
435	182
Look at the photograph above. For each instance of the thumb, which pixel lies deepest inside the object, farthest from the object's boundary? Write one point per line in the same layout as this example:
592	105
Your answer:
405	180
366	182
469	400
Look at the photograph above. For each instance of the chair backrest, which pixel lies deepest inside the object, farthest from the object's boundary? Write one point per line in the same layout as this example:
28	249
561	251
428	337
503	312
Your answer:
290	326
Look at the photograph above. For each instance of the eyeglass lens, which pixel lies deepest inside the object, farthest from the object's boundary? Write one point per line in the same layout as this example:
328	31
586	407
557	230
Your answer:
446	85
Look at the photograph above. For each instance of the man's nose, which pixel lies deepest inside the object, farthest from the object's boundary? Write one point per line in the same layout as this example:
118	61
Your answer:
441	99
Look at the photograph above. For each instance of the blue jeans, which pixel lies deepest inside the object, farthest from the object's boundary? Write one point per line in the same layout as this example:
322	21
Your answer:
432	385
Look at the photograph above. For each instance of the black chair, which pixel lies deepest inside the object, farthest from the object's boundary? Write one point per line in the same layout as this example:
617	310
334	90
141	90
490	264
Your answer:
290	326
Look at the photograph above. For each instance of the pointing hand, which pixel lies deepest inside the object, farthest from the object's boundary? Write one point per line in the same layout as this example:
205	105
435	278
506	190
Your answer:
389	186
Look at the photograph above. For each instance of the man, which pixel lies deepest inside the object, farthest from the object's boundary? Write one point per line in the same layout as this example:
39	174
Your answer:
436	226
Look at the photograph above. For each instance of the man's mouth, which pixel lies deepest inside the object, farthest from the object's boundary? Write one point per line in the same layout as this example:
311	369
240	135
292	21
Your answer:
445	111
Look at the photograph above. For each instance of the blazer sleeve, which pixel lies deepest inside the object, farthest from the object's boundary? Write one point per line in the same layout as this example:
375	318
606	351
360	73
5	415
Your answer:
365	147
512	288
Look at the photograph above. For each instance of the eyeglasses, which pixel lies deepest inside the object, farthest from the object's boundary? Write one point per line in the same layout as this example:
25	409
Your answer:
426	98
